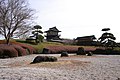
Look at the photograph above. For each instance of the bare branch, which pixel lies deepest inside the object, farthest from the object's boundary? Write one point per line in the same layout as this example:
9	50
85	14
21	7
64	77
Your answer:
14	15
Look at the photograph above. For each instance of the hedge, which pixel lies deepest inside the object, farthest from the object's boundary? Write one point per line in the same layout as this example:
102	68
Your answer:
15	50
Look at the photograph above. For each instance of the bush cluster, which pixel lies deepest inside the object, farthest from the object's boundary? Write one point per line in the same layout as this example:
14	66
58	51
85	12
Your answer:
44	59
59	49
2	42
99	51
28	48
106	51
62	48
21	51
7	51
15	50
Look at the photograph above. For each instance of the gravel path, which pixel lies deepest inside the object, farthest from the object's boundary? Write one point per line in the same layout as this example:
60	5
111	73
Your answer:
96	67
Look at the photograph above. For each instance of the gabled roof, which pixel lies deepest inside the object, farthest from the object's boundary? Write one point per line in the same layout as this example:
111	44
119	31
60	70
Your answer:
92	36
53	29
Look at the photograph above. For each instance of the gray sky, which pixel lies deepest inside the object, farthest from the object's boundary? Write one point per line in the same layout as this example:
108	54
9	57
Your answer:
77	18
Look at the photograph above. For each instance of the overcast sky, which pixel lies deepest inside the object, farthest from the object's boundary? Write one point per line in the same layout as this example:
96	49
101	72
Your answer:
76	18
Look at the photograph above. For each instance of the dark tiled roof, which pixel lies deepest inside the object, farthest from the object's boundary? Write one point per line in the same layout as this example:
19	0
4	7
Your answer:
92	36
53	29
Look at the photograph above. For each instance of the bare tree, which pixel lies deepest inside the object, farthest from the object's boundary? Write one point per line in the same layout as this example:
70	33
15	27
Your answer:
15	15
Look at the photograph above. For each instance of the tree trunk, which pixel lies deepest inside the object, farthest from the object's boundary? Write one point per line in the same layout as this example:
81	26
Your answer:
7	41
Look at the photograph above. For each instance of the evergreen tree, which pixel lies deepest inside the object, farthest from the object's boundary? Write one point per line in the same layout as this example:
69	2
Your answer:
38	34
107	39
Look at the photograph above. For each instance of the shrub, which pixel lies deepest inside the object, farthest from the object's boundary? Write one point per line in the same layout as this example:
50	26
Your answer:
116	52
53	49
7	51
71	49
28	48
106	51
44	59
15	49
81	51
59	49
21	51
2	42
89	49
1	51
99	51
64	54
62	48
